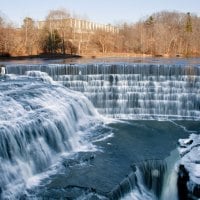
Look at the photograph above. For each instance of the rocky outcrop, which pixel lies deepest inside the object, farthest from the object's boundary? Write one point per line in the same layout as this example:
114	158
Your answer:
189	168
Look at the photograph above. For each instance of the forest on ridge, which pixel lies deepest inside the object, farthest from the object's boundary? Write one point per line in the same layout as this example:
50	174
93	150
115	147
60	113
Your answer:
161	34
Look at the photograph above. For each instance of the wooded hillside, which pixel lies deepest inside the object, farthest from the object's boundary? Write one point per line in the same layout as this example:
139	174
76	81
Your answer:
161	34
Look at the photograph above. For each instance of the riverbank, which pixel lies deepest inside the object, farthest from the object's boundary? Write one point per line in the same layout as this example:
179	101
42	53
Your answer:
40	56
98	58
92	55
135	55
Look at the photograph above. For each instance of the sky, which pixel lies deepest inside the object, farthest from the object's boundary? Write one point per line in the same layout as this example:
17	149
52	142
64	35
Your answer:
101	11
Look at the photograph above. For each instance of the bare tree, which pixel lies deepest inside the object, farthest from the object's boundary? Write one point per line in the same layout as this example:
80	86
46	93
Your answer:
1	35
163	33
6	37
29	36
103	40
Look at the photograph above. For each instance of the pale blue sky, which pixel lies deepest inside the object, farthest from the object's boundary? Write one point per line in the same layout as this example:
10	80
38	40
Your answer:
102	11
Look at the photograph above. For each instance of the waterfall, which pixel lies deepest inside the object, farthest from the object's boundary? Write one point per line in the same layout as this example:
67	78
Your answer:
2	70
154	180
41	118
38	122
148	183
130	91
169	190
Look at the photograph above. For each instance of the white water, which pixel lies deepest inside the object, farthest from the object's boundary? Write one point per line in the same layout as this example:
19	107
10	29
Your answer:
140	192
41	120
2	70
131	91
38	122
170	180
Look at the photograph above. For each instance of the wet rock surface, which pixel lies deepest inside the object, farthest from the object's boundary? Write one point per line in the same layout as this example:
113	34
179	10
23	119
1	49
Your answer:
189	169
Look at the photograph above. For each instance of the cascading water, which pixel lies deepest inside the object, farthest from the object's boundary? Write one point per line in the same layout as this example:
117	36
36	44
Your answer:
38	121
155	180
169	190
131	91
41	119
146	181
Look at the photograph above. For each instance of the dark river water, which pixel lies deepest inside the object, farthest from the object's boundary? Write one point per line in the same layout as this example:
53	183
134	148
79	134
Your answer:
95	129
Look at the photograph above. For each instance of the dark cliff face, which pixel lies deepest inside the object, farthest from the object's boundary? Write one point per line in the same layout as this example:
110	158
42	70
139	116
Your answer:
183	178
184	192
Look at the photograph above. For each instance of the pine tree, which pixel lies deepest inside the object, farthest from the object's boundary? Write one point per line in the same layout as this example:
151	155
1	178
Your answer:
52	42
150	21
188	26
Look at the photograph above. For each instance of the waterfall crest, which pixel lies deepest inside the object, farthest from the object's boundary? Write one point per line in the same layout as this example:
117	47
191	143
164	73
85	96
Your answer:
131	91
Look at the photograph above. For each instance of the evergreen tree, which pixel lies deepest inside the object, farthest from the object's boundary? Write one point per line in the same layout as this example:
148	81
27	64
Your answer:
150	35
52	42
150	21
188	26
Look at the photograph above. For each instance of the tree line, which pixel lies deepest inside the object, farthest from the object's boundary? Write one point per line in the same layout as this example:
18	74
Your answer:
161	34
